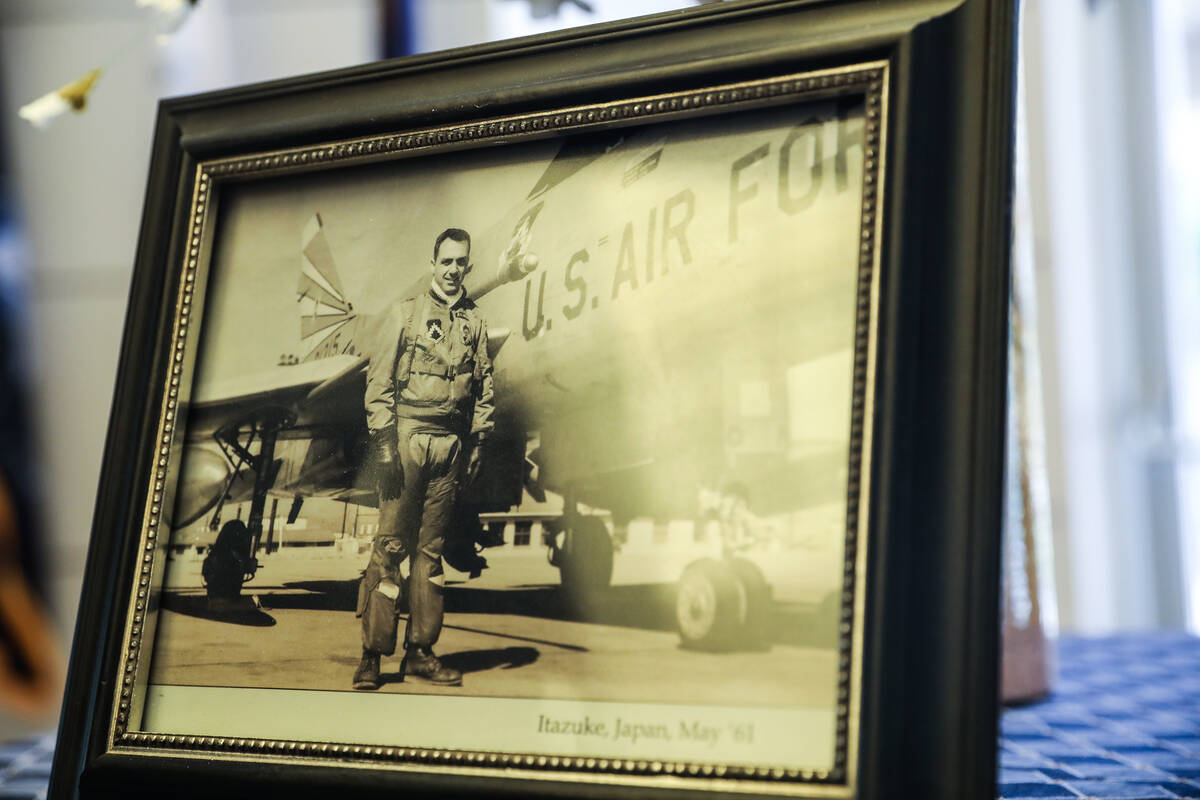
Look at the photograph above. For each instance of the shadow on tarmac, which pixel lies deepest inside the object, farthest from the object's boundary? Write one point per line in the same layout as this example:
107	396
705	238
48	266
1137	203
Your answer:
809	628
805	629
640	606
322	596
469	661
236	612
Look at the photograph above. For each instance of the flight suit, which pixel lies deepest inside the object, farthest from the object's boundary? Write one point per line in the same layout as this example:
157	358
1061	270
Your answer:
430	377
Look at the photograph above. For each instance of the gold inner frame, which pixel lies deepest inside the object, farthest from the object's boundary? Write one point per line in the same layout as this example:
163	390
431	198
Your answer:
868	79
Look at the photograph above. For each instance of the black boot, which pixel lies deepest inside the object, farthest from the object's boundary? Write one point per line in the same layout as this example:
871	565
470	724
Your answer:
420	662
366	677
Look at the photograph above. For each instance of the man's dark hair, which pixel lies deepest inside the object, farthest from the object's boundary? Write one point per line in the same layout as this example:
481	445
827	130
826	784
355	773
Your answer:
454	234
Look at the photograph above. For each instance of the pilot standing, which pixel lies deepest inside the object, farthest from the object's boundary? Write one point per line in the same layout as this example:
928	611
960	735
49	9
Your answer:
429	409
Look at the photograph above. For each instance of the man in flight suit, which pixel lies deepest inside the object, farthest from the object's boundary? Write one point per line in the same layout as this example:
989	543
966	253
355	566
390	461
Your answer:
429	409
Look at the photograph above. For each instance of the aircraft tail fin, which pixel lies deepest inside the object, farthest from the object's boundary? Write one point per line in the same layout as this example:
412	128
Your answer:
327	317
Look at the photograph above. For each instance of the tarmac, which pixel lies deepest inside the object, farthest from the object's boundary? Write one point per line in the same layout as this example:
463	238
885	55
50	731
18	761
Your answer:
511	633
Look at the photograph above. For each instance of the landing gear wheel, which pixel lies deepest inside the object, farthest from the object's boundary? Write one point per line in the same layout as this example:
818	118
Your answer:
756	621
722	605
708	605
585	562
229	563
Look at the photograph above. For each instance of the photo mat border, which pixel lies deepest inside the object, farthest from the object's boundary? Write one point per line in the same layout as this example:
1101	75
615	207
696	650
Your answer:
870	79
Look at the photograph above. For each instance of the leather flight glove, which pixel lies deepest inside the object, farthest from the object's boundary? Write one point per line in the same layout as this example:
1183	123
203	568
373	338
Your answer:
474	460
389	475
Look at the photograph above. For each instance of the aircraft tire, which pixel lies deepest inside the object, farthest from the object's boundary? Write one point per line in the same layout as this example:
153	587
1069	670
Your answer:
756	620
710	606
586	562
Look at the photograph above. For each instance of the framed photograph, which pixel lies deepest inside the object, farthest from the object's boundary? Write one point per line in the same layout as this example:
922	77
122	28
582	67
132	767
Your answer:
612	412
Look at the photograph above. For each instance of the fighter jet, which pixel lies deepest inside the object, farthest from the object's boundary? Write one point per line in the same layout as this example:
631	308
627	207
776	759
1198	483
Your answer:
672	323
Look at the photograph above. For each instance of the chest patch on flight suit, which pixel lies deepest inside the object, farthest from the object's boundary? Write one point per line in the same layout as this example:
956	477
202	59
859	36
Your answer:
433	329
466	334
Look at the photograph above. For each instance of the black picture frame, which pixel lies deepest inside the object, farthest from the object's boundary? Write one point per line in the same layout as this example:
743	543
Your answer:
937	77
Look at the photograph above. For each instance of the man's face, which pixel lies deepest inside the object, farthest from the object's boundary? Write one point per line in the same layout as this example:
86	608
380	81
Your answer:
451	264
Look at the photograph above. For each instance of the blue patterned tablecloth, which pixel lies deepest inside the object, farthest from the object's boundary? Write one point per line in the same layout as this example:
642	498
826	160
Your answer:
25	768
1123	722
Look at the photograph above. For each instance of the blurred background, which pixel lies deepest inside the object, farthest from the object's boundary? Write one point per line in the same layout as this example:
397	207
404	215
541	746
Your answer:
1112	116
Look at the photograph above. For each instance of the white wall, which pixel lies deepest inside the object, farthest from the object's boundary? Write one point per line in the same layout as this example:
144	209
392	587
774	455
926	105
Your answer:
1176	65
1097	182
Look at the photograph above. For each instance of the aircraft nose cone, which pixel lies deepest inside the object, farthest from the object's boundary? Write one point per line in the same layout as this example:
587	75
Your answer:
205	473
518	267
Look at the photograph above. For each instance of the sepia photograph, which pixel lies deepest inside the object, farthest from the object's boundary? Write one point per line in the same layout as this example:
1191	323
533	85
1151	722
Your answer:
536	448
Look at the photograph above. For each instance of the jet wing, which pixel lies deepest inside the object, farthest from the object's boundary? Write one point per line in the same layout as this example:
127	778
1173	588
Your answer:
217	404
